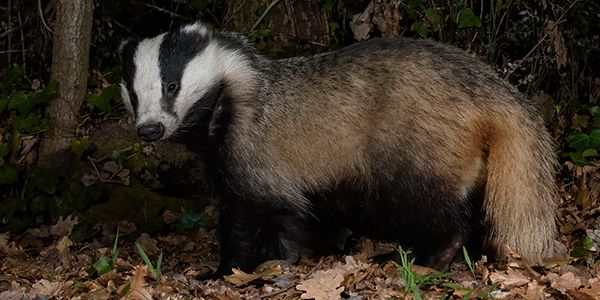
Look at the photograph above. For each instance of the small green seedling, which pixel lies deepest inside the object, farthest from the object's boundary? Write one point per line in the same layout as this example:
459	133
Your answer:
104	264
468	260
154	271
409	276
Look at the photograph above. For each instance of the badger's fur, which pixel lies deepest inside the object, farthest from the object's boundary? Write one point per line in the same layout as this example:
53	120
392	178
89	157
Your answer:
407	140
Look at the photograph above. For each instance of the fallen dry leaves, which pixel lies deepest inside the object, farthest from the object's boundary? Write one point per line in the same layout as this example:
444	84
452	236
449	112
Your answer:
322	285
138	285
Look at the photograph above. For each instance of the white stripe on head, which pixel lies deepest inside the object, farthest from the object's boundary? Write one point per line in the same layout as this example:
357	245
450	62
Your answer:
197	27
147	85
200	74
125	97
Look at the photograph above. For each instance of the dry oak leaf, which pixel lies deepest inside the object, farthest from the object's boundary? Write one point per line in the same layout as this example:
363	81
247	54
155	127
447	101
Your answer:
239	277
62	246
323	285
594	289
562	283
63	227
509	279
148	243
534	291
138	285
45	288
7	247
16	292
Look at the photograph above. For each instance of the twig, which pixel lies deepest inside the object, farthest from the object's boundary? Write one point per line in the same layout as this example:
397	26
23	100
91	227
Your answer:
173	14
317	43
22	35
264	14
124	27
8	32
290	12
13	51
121	168
9	24
41	11
503	16
100	176
225	22
105	157
520	61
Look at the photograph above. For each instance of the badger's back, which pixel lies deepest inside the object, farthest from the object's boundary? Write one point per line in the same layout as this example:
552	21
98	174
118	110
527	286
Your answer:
330	117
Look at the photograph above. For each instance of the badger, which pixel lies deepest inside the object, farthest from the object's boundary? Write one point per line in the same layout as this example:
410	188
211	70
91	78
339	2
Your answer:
406	140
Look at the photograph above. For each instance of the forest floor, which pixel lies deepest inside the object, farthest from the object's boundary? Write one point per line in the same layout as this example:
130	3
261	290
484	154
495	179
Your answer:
45	263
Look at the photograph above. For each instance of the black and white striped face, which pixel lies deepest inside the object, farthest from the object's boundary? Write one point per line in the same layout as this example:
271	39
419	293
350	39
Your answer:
165	76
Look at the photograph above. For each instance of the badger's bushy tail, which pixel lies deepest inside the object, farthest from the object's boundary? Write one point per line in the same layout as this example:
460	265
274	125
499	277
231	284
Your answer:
520	195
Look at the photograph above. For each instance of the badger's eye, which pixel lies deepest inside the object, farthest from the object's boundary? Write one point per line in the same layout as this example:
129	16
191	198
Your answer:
171	87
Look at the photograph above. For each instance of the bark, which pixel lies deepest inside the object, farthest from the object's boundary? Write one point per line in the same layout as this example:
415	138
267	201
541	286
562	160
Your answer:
70	59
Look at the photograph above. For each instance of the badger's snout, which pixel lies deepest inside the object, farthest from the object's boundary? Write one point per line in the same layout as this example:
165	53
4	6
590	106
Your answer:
151	132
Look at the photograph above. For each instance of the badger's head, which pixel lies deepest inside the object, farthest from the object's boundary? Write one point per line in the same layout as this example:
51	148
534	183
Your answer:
174	80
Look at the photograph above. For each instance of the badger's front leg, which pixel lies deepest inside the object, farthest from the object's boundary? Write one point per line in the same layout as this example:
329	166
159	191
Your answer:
253	232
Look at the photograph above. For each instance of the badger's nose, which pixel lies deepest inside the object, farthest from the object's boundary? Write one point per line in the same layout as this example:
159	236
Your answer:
151	132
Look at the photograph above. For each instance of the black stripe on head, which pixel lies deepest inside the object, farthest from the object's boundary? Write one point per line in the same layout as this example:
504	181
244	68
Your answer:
207	120
128	49
177	49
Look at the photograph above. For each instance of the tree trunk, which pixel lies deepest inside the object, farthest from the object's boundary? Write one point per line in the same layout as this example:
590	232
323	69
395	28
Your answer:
70	58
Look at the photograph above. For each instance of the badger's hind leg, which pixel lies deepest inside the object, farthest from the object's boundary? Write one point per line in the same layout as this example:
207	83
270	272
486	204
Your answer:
429	214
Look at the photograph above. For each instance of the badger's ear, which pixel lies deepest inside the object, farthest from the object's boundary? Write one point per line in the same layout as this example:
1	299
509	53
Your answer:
127	48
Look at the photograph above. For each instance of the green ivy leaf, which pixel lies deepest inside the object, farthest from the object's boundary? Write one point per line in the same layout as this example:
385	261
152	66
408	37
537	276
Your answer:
193	220
419	28
103	265
80	146
31	123
19	101
328	5
52	88
595	111
578	159
8	174
589	153
498	5
582	247
136	147
579	141
595	139
45	95
112	92
14	73
99	102
414	4
466	18
3	103
4	149
433	16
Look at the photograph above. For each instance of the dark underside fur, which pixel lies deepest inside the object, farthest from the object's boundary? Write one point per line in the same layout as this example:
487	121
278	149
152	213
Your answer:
407	211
